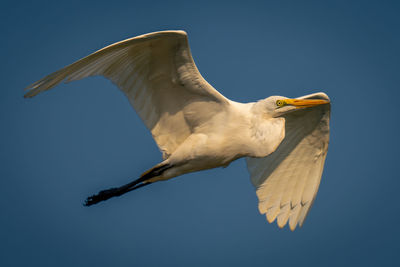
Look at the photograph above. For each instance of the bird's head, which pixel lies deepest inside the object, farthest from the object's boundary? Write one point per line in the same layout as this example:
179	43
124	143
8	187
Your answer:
276	106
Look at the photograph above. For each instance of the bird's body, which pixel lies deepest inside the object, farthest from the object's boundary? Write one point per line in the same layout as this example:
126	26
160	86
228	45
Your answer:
285	140
234	133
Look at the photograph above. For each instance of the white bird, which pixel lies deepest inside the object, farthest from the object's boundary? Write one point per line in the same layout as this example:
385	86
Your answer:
285	141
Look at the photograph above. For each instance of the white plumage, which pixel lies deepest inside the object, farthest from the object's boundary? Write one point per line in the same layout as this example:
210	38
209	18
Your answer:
285	141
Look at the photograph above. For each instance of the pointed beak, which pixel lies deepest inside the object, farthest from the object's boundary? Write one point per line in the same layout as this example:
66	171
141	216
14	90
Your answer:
305	103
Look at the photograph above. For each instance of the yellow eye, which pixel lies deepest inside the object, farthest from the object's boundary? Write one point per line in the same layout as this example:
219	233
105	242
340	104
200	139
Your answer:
280	103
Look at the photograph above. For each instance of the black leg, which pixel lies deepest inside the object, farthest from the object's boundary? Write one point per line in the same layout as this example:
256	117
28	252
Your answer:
112	192
118	191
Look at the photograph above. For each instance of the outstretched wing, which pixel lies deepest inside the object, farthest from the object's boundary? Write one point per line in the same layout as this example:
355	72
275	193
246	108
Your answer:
287	181
157	73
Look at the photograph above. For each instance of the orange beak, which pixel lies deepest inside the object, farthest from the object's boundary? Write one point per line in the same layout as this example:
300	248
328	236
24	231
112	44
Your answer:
305	103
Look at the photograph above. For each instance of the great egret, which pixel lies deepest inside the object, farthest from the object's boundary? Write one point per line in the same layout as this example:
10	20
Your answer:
284	140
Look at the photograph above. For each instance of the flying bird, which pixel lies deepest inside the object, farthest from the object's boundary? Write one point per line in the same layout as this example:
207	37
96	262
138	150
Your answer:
284	140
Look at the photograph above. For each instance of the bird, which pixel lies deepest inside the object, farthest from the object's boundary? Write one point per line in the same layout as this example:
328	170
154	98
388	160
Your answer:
284	140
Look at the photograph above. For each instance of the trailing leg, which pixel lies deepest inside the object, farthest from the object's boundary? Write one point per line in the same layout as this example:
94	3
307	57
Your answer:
118	191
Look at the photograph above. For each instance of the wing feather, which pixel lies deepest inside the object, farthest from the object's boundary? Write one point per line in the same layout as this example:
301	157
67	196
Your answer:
287	181
157	73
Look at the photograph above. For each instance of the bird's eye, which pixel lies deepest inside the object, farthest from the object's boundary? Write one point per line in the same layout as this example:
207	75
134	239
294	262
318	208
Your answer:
280	103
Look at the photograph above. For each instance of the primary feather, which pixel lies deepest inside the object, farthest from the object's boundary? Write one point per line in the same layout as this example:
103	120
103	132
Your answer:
287	180
157	73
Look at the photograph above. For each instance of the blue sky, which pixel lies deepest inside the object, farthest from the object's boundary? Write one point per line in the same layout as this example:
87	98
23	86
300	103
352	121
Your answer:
60	147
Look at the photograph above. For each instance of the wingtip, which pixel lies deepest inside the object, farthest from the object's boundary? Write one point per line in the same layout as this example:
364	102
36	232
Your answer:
272	214
319	95
174	31
182	32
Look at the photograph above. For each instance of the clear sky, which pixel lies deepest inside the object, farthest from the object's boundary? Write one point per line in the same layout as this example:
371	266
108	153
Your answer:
66	144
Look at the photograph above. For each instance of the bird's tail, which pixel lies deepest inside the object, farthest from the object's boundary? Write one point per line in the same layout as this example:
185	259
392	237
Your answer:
118	191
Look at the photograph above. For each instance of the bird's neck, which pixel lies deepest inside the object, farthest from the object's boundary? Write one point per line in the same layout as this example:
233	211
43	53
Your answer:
267	133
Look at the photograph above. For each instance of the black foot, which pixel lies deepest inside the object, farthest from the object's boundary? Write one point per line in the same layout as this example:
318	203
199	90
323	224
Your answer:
102	195
112	192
